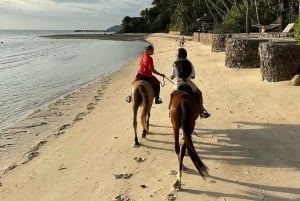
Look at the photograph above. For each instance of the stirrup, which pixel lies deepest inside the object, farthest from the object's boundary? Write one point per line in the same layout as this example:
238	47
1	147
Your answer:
204	114
158	101
128	99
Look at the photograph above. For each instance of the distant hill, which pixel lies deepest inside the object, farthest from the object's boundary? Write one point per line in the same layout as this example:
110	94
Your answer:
116	28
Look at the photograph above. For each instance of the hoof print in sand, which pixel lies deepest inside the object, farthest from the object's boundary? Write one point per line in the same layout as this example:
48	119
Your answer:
173	172
171	197
121	198
122	176
139	159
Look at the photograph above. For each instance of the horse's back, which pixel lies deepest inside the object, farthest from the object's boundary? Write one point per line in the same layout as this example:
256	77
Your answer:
176	104
144	83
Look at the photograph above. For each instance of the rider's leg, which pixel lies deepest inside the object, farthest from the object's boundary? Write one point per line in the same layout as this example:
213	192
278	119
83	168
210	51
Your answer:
156	94
156	86
203	111
128	98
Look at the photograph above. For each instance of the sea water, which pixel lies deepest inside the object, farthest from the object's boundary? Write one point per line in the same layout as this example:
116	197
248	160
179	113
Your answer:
36	70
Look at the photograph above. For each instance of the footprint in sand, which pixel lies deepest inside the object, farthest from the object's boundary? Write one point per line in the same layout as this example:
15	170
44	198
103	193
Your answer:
121	198
90	106
97	98
173	172
80	116
122	176
139	159
171	197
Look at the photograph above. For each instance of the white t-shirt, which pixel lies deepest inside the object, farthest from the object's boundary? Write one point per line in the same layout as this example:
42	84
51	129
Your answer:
179	81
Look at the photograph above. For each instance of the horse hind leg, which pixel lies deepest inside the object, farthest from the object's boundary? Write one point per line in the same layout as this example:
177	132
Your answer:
136	141
148	120
145	132
177	184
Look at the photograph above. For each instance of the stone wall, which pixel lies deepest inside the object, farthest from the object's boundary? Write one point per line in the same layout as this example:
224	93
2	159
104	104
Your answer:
205	38
196	36
219	42
242	52
279	61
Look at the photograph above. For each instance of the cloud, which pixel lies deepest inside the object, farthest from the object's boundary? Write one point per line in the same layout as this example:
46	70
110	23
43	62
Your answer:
68	14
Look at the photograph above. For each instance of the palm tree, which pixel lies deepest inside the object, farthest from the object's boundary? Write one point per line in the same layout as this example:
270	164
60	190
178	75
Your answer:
218	8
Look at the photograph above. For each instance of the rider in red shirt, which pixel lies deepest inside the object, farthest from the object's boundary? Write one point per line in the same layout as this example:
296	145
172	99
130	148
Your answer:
145	73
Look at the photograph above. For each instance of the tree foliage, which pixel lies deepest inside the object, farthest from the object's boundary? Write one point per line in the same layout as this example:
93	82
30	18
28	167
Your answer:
297	29
182	15
260	12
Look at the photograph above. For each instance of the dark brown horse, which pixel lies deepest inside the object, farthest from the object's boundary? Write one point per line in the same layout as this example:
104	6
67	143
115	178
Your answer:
184	110
142	96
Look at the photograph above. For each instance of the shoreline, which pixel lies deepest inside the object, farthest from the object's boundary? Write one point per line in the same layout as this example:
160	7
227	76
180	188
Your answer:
22	139
116	36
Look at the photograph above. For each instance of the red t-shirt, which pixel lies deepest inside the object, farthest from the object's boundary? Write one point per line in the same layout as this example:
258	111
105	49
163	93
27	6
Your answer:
146	65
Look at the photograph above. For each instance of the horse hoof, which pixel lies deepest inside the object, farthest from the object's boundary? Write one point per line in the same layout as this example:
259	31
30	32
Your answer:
144	135
136	144
177	185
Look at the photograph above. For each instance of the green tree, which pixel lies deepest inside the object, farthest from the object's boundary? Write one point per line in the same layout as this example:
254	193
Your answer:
236	20
262	12
297	29
182	15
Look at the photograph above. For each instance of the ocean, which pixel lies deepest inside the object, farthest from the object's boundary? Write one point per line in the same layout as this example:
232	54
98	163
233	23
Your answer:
35	71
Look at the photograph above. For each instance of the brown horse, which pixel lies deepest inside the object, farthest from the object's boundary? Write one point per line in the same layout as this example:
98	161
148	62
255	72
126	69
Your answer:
184	110
142	96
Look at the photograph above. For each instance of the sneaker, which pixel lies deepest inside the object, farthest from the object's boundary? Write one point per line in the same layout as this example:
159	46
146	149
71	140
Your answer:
158	101
128	99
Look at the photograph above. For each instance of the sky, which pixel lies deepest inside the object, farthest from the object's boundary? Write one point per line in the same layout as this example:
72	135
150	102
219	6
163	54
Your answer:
67	14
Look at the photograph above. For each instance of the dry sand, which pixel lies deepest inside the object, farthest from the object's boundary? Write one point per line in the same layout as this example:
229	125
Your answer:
251	143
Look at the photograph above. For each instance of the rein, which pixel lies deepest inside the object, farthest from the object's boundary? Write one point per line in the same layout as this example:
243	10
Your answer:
164	82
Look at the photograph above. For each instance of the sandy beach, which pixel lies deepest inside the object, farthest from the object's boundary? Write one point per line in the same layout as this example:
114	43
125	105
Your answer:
250	143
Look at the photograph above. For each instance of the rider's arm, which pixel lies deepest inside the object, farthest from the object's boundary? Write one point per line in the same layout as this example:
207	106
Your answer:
158	73
174	72
193	72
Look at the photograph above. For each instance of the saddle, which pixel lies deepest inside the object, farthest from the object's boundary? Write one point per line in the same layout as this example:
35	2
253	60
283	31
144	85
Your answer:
140	77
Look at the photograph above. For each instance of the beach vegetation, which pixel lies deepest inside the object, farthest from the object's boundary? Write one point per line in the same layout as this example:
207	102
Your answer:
297	29
232	15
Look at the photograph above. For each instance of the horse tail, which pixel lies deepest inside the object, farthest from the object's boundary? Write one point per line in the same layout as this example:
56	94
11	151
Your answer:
187	133
145	106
